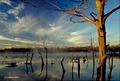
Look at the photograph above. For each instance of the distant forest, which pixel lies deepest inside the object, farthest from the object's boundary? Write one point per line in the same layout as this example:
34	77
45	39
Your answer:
62	49
16	50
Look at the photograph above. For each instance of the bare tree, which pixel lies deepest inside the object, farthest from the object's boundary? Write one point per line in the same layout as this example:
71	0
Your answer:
97	17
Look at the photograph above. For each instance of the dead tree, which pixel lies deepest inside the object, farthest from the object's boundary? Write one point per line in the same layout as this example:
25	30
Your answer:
29	63
98	18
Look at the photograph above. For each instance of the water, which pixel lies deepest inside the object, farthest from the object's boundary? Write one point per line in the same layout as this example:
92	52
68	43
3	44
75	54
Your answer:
73	67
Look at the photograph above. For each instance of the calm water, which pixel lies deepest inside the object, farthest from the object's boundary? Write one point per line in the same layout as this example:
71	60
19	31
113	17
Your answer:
76	66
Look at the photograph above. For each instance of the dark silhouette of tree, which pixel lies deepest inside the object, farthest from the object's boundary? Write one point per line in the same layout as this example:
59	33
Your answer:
111	66
63	69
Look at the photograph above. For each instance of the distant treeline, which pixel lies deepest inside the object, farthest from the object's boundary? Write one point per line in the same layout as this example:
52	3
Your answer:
114	48
16	50
77	49
81	49
89	48
62	49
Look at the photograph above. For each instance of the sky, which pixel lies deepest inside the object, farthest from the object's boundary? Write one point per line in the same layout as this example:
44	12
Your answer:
22	25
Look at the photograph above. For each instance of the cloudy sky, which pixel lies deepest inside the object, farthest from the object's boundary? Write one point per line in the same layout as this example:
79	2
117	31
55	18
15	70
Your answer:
22	25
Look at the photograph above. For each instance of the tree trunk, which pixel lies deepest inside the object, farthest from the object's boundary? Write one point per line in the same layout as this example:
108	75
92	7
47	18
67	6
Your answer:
102	44
102	52
101	72
100	24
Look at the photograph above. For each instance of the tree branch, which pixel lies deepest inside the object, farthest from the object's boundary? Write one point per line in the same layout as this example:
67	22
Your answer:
109	13
92	15
78	1
71	19
53	5
81	3
83	7
62	4
24	1
76	13
73	12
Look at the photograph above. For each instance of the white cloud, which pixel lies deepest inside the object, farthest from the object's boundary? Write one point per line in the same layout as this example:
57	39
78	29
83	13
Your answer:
3	16
84	30
6	2
75	33
75	39
58	33
16	10
25	24
19	40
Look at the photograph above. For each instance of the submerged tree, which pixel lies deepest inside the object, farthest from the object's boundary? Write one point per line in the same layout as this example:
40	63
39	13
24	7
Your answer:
95	14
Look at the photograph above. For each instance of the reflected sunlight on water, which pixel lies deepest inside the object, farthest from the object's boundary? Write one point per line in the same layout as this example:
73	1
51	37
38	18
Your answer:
77	67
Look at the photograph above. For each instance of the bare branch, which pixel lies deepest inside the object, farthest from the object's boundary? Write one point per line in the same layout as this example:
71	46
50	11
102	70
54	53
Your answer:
78	6
73	12
71	19
109	13
24	1
76	13
53	5
81	3
62	4
78	1
92	14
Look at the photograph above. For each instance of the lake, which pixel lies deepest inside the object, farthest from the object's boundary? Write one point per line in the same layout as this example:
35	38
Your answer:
60	66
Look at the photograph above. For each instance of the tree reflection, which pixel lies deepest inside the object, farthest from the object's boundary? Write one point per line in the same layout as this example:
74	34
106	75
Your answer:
41	69
27	68
101	71
85	59
78	67
42	63
29	64
72	69
93	66
111	66
63	69
46	73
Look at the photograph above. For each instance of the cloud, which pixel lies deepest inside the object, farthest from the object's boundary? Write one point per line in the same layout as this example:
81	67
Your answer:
58	33
16	10
19	40
75	40
3	16
84	30
25	24
8	2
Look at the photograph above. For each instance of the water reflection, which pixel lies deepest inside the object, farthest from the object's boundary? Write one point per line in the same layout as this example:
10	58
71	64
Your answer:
93	66
72	69
78	67
66	69
101	71
29	64
63	69
46	73
42	67
85	59
31	67
111	66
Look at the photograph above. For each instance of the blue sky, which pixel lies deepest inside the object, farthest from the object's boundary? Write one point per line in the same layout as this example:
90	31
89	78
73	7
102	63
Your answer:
22	25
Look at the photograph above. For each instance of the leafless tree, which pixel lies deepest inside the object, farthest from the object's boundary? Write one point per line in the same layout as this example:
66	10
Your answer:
97	17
